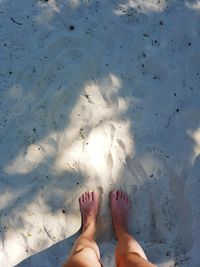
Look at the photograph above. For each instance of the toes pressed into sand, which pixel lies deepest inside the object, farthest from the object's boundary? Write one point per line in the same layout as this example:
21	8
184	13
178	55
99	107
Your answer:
89	203
120	209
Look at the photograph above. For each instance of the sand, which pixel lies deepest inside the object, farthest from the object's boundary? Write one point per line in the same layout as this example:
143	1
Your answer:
99	95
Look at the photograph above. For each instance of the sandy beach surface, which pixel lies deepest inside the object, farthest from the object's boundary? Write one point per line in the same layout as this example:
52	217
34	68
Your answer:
99	95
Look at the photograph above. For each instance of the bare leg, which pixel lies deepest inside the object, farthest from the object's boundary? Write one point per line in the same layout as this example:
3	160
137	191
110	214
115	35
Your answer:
85	252
120	209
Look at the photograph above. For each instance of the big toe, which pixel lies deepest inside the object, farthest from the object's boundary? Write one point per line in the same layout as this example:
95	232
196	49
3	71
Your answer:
95	196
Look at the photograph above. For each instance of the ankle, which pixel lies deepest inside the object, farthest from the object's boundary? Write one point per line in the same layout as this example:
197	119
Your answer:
89	227
121	231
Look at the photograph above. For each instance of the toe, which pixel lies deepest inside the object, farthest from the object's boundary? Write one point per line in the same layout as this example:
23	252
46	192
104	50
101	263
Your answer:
83	197
124	195
95	196
113	195
90	196
118	194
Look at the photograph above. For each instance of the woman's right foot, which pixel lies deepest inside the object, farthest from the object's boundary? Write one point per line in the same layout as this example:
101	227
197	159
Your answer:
120	209
89	203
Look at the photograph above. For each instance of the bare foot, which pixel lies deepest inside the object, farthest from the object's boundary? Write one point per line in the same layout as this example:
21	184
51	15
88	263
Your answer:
89	203
120	209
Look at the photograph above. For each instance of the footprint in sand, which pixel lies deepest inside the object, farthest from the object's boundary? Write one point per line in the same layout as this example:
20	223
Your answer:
161	211
172	211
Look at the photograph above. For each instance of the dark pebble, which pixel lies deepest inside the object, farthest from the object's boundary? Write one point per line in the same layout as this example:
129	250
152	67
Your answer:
168	253
71	27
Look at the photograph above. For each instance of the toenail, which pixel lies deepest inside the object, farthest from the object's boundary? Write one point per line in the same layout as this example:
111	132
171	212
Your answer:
118	194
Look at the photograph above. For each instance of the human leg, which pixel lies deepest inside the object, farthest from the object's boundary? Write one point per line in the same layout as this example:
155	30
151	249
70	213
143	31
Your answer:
85	252
128	252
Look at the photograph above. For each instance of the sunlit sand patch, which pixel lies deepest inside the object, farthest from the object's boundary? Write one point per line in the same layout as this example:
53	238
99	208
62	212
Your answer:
74	3
195	135
145	6
48	11
6	197
99	145
17	247
193	5
34	154
108	146
18	166
102	153
98	140
70	158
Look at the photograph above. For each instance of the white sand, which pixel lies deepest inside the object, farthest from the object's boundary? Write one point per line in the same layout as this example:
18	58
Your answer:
99	95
